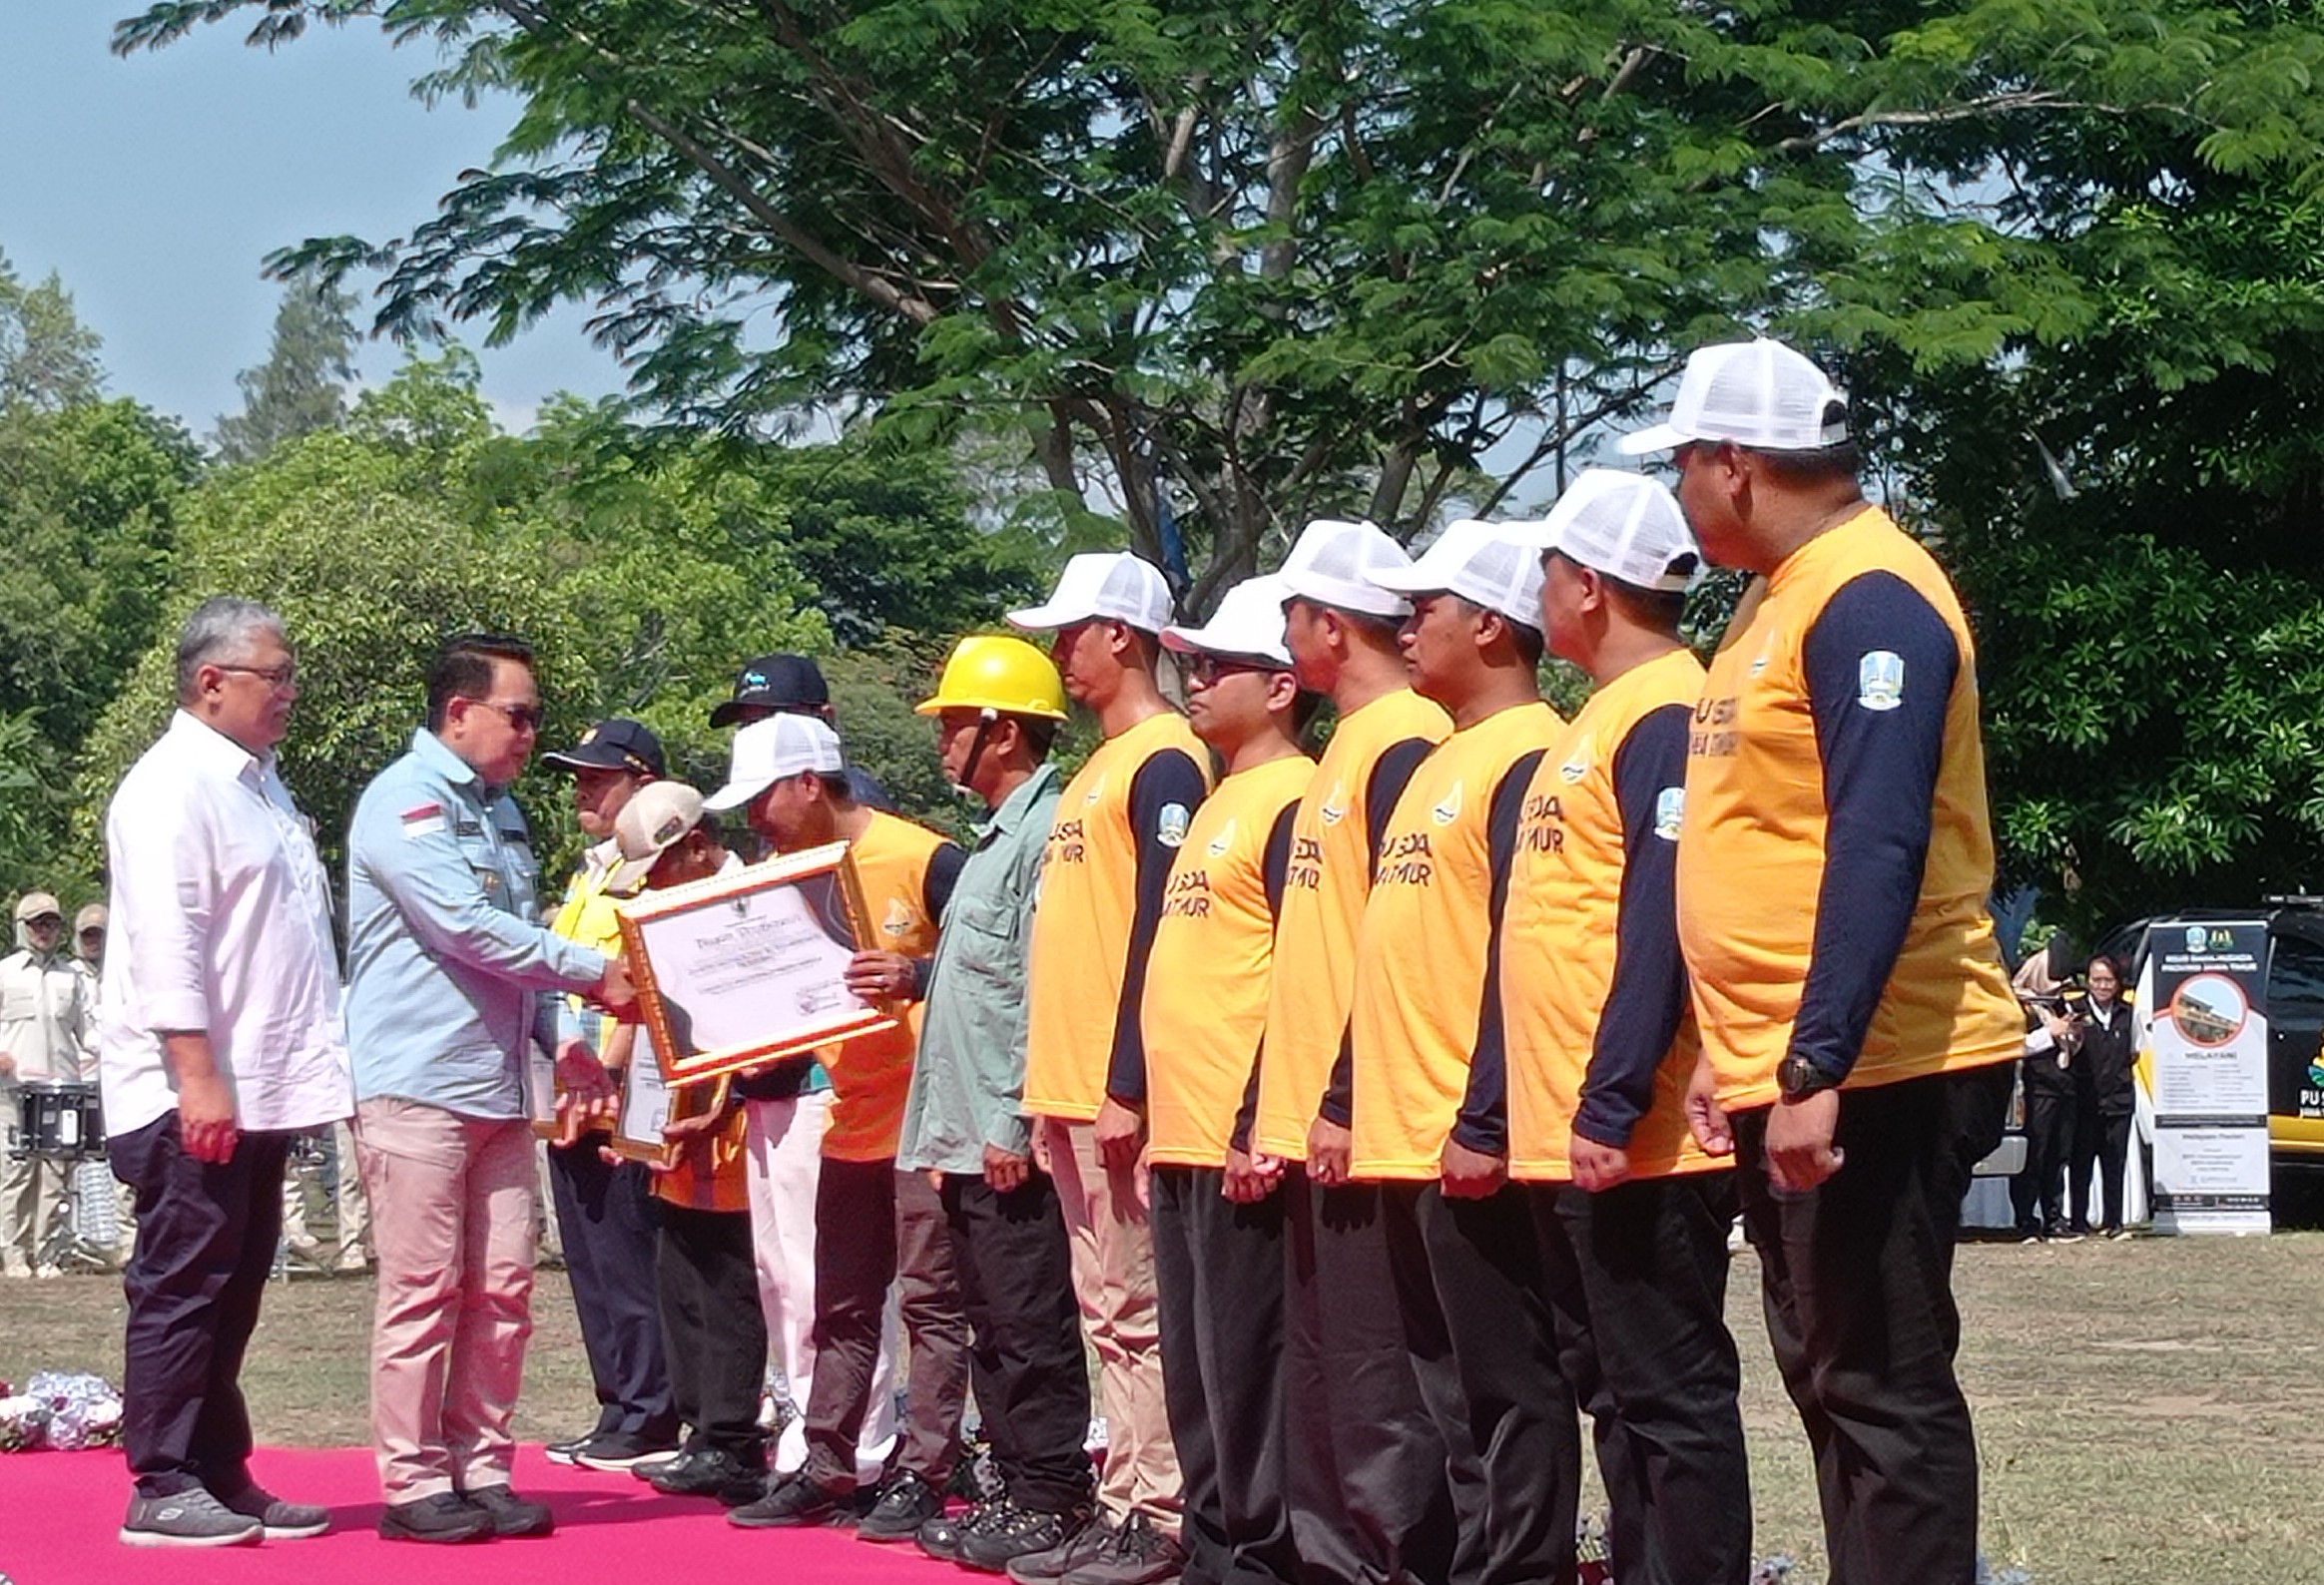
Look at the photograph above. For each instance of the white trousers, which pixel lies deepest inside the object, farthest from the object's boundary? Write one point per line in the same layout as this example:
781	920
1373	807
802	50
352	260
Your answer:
786	1160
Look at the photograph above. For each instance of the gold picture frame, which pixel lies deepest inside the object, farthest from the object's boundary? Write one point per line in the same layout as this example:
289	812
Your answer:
649	1104
743	970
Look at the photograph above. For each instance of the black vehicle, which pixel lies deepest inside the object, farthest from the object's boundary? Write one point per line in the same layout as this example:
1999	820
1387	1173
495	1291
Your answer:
2296	1018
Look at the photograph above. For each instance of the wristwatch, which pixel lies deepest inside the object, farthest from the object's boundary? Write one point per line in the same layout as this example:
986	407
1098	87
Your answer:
1797	1078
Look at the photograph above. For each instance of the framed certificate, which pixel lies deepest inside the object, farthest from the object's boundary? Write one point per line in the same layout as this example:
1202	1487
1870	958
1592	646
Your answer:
649	1104
540	1090
744	969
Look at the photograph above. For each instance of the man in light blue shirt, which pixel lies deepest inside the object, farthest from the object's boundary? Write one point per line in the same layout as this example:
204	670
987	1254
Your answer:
451	982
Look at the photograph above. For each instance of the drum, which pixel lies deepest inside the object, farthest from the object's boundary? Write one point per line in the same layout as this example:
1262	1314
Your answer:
57	1120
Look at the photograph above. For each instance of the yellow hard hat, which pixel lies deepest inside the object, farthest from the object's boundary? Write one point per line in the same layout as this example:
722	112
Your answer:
991	670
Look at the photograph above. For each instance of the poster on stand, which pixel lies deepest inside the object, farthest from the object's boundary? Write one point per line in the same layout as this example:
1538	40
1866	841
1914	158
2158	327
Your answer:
2205	994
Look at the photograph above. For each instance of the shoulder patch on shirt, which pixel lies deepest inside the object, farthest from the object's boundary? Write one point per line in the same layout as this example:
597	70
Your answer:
426	820
1447	808
1224	840
1669	812
1880	679
1335	808
1170	824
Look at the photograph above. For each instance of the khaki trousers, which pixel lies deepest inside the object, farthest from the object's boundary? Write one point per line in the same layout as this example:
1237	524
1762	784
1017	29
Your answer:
452	1219
1113	1278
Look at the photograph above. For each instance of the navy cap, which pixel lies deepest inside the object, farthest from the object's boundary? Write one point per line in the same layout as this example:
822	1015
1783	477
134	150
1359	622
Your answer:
775	682
613	746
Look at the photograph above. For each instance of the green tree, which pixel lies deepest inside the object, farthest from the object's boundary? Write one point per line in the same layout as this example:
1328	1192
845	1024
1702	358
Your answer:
48	359
301	386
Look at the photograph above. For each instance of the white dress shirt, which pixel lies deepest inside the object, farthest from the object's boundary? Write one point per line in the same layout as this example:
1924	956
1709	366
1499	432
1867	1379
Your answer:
220	922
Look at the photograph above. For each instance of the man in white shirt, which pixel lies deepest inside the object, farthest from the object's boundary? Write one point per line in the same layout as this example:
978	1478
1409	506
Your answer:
47	1021
220	1037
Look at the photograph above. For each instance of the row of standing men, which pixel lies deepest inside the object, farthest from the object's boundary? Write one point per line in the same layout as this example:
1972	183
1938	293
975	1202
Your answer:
1391	1098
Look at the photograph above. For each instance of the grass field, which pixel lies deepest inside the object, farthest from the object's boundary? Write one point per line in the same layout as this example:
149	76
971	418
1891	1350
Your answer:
2149	1414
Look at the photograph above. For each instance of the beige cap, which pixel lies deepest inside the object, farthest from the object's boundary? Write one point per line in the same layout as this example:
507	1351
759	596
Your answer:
92	918
36	906
654	820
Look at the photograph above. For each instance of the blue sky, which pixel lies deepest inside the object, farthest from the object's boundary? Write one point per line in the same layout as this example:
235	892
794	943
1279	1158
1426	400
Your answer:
154	186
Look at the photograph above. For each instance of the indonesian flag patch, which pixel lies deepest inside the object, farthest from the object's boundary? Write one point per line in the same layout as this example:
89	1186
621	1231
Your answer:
426	820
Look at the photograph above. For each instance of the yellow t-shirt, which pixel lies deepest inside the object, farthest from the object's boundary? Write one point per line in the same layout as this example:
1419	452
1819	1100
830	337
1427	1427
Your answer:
1207	977
1086	912
1420	953
1751	856
871	1076
1323	903
1559	936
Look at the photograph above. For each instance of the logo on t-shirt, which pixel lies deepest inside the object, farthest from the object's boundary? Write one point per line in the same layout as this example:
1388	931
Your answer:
897	920
1880	679
1094	793
1576	767
1447	808
1669	809
1224	840
1335	808
1170	824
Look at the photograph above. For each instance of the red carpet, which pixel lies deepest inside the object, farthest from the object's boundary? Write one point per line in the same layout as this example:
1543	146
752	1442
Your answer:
59	1514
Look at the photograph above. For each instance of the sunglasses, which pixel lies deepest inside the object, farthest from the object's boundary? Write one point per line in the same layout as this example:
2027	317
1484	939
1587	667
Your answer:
523	718
1205	670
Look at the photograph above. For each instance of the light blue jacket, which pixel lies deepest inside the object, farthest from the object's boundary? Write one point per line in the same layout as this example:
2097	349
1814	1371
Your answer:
447	958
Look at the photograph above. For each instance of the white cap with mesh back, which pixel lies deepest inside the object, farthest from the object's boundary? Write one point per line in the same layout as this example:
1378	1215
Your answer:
775	749
1485	564
1331	562
1103	585
1248	622
1759	394
1625	525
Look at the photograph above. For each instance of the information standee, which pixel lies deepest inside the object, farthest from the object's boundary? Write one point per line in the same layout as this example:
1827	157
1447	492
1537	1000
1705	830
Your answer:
2205	994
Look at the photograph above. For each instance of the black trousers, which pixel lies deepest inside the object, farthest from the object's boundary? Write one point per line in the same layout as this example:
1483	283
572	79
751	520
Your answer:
1375	1496
606	1217
1858	1287
874	1226
1638	1280
1025	1351
2102	1141
206	1237
1477	1323
1218	1269
713	1331
2037	1193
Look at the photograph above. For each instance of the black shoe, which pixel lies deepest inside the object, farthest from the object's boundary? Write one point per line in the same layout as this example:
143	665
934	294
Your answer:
510	1515
282	1521
447	1516
945	1534
1139	1555
1085	1544
793	1501
620	1451
710	1473
1018	1532
567	1452
900	1507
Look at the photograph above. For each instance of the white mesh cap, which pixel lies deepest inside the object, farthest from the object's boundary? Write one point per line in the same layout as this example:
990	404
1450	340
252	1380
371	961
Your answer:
773	750
1759	394
1248	622
1485	564
1331	562
1625	525
1109	585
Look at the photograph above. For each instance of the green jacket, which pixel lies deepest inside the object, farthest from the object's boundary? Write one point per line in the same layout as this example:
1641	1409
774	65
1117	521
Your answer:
967	1087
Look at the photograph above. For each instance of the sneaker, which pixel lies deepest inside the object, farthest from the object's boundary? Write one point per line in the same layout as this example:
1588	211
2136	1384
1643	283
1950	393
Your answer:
620	1451
902	1506
1140	1555
447	1516
945	1534
710	1473
793	1501
567	1452
282	1521
187	1518
510	1515
2118	1234
1084	1545
1019	1532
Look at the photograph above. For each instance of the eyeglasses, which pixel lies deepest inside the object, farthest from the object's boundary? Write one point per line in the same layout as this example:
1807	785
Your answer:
1204	670
277	677
525	718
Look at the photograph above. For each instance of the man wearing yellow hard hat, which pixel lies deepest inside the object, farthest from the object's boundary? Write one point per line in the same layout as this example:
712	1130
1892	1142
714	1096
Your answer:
998	707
